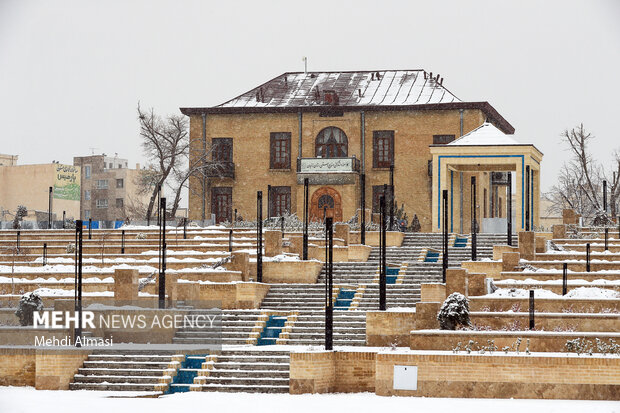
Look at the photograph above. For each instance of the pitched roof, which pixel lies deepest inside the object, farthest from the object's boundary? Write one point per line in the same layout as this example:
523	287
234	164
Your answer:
384	90
485	134
387	87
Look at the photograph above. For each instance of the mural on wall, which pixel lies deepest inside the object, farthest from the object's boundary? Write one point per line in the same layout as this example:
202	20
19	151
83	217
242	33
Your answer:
67	182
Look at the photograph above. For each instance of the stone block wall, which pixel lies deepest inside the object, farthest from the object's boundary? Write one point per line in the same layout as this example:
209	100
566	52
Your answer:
444	374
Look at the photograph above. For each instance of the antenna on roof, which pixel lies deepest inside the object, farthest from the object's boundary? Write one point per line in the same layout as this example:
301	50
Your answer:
305	60
92	150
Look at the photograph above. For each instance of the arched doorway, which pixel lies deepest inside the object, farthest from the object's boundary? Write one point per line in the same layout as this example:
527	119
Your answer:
331	142
327	200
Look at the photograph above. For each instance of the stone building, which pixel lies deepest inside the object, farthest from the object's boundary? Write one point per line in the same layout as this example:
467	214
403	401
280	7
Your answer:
29	185
109	188
332	128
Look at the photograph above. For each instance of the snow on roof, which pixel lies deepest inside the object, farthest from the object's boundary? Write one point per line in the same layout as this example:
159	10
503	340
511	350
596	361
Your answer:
486	134
365	88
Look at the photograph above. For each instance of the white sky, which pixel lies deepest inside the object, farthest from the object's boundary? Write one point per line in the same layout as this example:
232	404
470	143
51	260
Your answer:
72	72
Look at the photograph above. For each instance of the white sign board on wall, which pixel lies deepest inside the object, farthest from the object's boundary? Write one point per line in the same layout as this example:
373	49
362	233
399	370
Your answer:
405	377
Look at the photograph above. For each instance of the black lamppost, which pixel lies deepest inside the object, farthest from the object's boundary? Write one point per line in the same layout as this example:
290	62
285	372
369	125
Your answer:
605	196
49	210
509	210
305	236
64	218
329	307
122	241
363	217
162	253
527	198
78	280
382	251
392	197
474	226
444	267
259	236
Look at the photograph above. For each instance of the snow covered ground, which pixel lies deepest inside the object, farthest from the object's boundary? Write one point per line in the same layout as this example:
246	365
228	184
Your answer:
27	400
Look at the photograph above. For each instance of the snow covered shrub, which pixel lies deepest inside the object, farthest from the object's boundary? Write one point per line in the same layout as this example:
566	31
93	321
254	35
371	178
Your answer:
19	216
454	312
601	219
141	235
70	248
28	304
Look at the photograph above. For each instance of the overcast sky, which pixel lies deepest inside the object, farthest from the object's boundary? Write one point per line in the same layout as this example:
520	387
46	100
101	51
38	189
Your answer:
72	72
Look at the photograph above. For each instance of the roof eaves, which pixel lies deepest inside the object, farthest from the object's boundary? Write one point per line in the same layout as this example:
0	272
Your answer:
485	107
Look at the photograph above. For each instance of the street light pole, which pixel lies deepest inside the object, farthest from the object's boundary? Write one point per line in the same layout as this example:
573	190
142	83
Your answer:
49	210
329	307
259	236
474	225
162	253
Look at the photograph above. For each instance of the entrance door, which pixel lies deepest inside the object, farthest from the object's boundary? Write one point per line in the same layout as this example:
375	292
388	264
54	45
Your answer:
326	201
221	204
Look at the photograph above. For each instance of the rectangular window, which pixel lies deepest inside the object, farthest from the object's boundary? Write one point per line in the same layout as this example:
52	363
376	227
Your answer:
119	183
87	171
442	139
102	184
280	200
86	213
383	148
111	165
280	154
102	203
119	202
222	149
377	193
87	195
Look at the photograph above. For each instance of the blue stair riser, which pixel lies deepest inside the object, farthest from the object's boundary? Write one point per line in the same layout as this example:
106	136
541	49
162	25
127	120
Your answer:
271	331
186	374
390	280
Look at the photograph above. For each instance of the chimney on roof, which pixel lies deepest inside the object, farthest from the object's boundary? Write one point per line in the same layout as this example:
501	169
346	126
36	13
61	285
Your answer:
378	76
425	75
285	81
430	75
372	76
441	81
330	97
317	93
359	93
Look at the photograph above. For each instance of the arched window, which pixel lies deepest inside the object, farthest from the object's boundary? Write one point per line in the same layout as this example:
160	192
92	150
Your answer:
326	201
331	142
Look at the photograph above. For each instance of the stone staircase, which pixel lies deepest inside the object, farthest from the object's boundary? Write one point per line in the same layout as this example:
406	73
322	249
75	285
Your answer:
349	328
139	370
249	371
236	329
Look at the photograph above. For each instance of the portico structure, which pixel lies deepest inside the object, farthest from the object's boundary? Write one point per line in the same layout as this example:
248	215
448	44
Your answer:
487	154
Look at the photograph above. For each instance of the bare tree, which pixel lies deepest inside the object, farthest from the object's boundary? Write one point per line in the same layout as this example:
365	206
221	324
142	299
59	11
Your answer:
174	161
580	181
164	142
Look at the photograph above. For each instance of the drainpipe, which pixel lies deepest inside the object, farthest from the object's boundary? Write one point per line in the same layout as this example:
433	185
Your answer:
363	128
204	159
299	144
461	116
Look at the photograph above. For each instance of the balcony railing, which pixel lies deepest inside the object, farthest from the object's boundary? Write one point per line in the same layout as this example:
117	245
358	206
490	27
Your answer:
325	165
217	169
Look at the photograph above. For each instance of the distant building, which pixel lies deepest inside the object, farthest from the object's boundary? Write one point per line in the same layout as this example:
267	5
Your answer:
8	160
109	190
29	185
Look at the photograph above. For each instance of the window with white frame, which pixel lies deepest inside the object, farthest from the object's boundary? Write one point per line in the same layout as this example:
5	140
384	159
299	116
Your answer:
102	203
102	184
87	195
